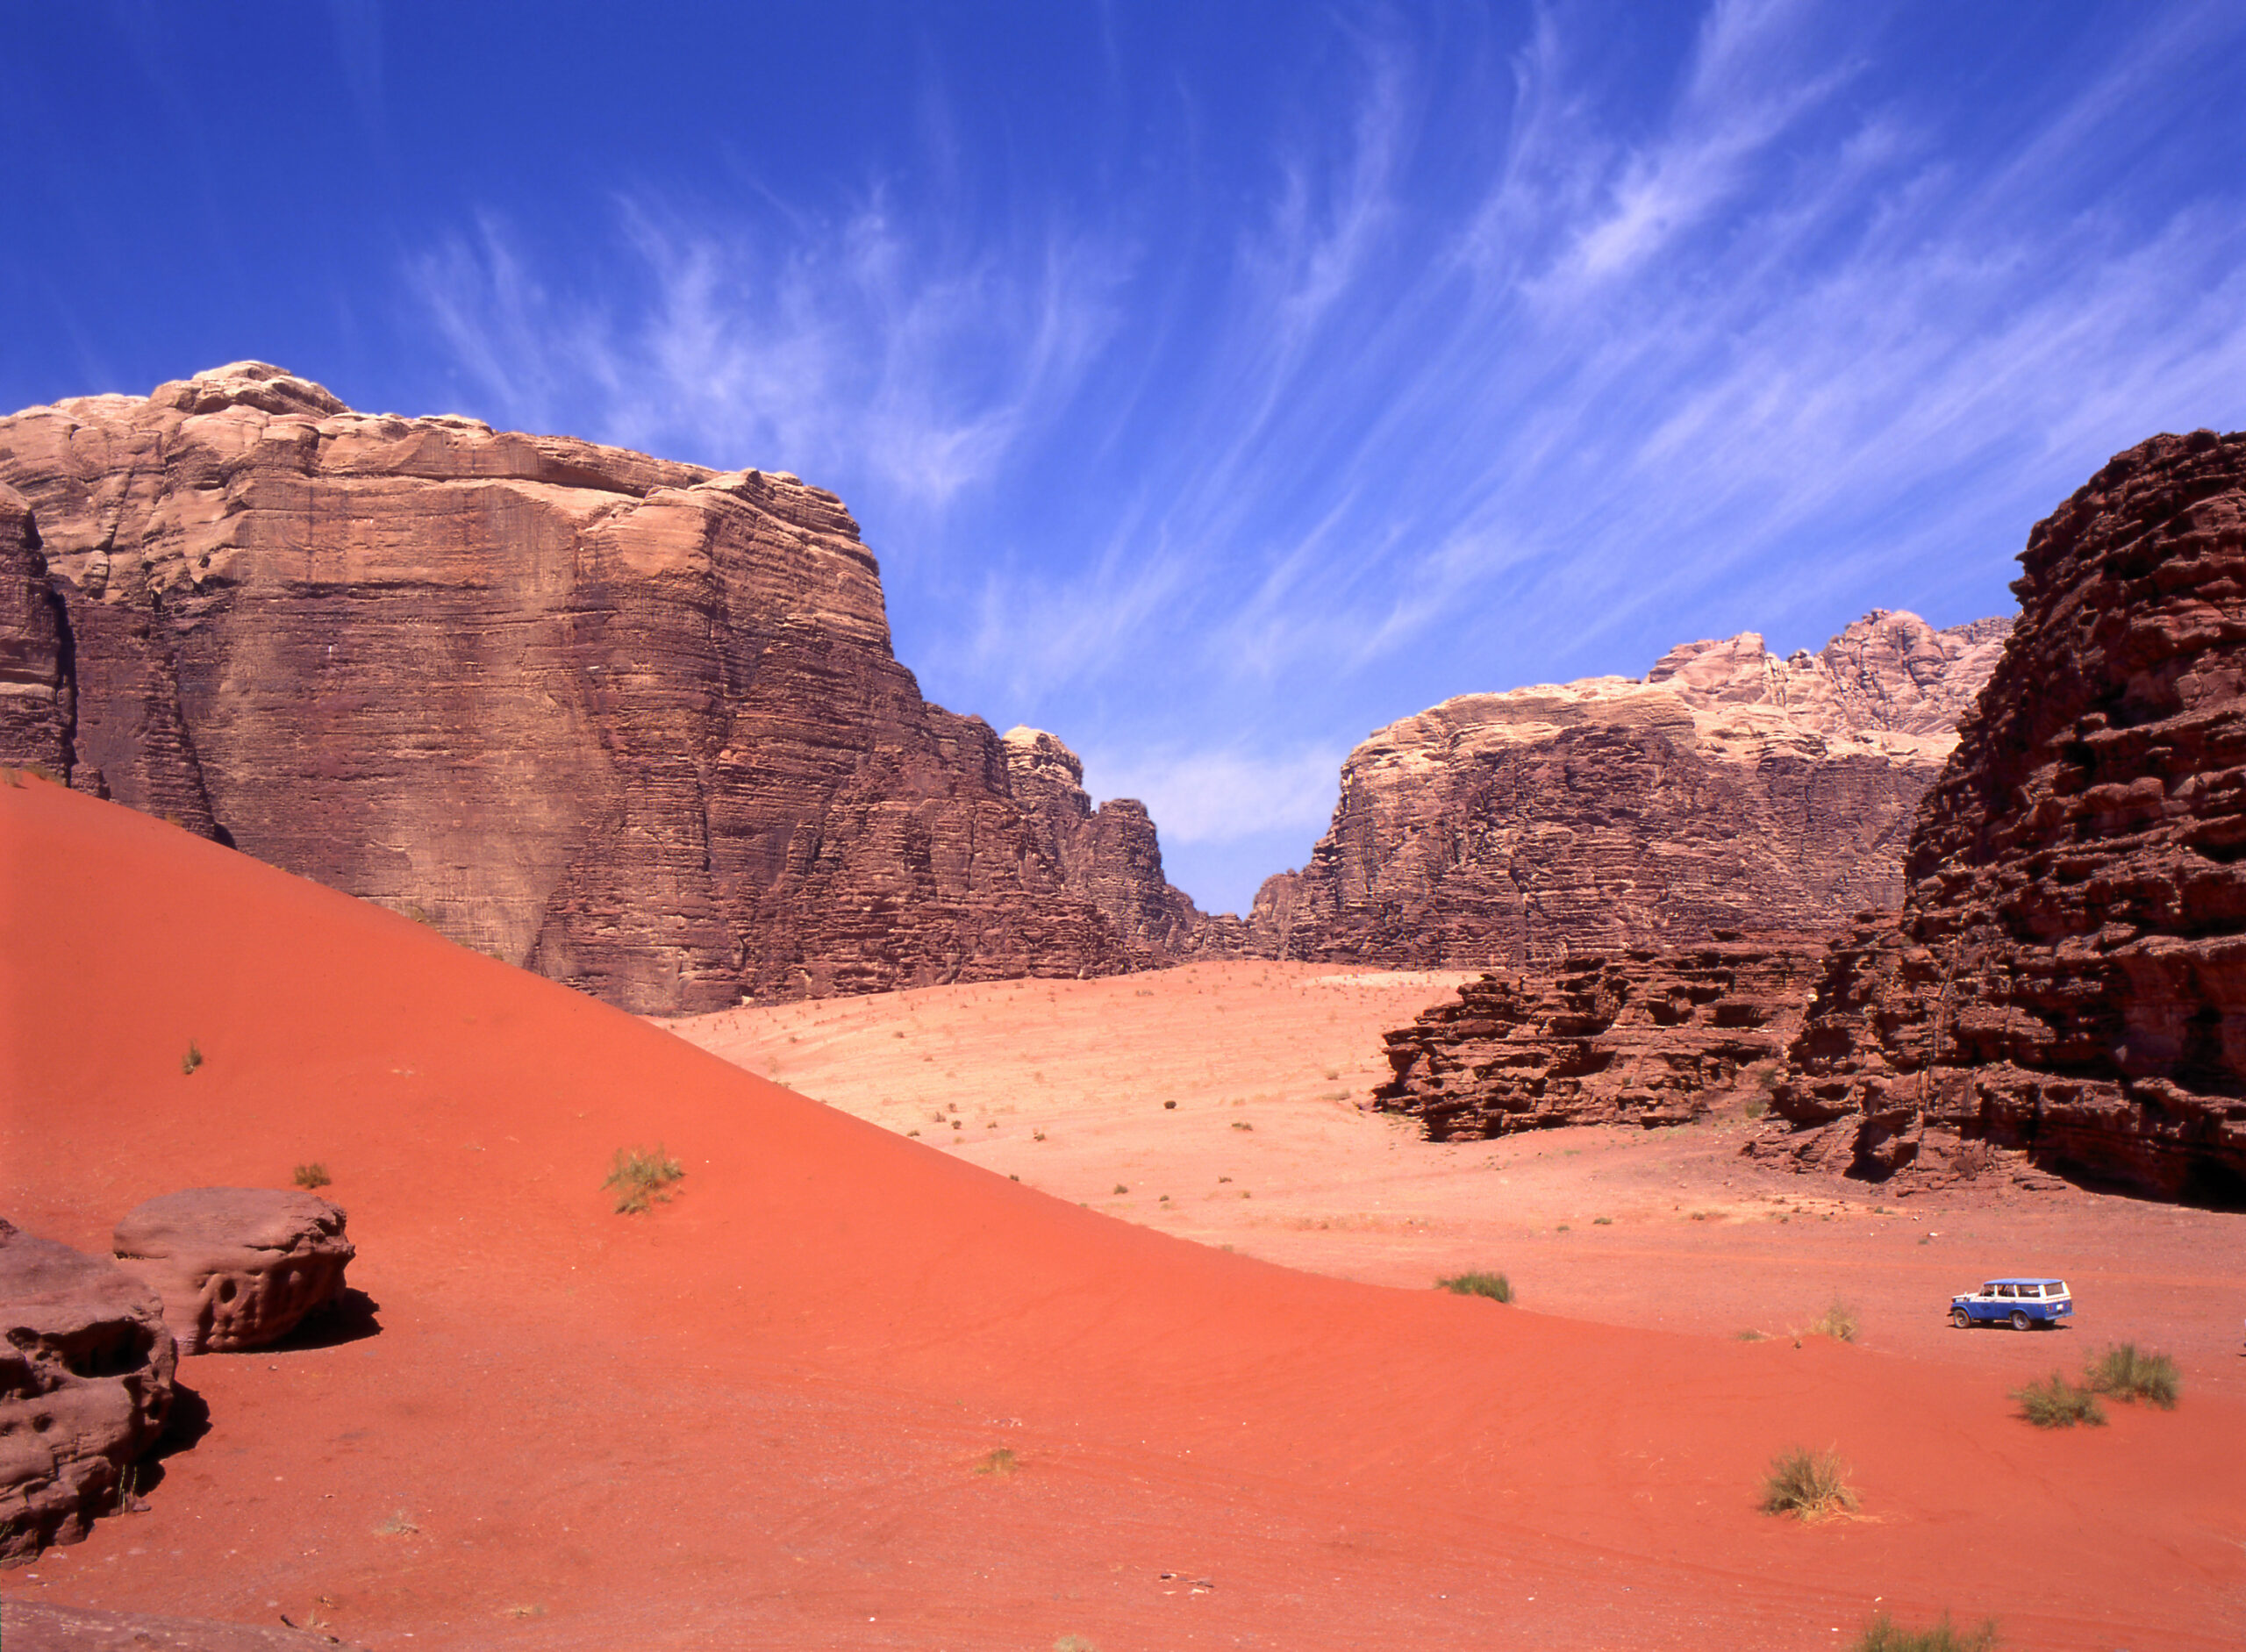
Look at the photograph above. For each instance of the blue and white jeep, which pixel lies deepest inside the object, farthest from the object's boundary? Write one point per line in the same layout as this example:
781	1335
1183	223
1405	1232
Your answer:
2019	1303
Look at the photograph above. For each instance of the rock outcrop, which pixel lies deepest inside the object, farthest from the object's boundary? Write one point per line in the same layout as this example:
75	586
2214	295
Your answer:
85	1385
29	1625
1728	789
2068	976
35	687
235	1266
635	725
1643	1037
1109	855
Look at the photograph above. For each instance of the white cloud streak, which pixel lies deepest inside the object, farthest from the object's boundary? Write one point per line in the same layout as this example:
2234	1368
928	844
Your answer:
1776	347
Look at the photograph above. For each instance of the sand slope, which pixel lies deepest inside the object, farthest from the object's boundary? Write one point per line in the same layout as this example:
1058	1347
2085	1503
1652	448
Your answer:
755	1416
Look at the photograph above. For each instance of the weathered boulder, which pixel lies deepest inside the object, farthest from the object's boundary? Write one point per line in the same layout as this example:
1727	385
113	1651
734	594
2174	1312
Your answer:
1728	789
85	1384
2067	977
1645	1037
235	1266
632	724
30	1626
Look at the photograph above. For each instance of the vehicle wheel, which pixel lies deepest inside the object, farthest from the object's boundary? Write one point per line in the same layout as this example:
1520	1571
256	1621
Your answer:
2020	1318
1962	1320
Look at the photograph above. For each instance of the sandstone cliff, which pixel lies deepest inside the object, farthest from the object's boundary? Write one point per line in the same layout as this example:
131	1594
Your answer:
1643	1037
1729	788
631	723
2068	976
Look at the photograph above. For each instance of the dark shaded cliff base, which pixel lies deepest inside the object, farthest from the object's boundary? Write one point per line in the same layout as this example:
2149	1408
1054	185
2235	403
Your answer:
1728	789
2067	974
633	725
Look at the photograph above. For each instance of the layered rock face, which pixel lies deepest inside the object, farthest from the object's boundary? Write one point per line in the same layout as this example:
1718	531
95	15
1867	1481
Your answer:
35	690
2068	976
235	1266
85	1384
1111	855
1644	1037
633	723
1728	790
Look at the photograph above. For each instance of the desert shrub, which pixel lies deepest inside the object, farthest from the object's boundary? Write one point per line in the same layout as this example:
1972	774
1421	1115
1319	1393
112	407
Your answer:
1495	1286
1881	1634
1838	1322
999	1463
641	1177
1073	1643
312	1175
1750	1336
1807	1484
192	1060
2056	1403
2126	1373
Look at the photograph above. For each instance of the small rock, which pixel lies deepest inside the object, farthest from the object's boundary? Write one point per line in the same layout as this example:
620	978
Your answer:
236	1267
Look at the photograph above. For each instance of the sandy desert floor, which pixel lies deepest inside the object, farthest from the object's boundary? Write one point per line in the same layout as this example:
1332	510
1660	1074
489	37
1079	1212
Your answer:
852	1389
1067	1084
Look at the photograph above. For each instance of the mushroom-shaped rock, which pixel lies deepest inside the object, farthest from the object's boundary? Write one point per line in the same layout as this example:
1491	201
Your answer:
85	1383
236	1267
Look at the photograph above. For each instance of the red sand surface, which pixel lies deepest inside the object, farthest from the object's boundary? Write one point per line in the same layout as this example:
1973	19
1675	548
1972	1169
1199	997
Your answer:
754	1418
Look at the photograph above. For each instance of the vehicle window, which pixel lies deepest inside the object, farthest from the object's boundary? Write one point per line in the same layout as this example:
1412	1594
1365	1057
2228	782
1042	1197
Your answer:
2031	1290
2056	1288
2004	1291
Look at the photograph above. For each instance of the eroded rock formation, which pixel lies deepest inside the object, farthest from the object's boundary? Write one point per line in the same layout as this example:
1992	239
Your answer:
85	1384
633	723
1644	1037
1111	855
235	1266
2068	976
1728	790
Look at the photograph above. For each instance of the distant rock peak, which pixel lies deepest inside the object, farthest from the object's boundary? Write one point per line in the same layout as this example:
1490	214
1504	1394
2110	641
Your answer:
1728	789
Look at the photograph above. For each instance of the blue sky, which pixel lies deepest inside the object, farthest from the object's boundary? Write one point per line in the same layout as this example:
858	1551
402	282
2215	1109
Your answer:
1215	382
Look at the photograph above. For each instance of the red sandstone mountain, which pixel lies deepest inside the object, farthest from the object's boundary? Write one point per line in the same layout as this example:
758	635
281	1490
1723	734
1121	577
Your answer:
632	724
2069	974
1728	790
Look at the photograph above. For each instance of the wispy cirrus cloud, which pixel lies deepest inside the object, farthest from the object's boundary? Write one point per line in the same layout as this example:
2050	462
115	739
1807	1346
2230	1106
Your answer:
1489	363
846	347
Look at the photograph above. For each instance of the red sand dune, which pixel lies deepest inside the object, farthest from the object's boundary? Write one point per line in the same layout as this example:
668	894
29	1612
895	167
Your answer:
754	1417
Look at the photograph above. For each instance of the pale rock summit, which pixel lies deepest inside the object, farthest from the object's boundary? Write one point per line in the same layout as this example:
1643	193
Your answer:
1728	789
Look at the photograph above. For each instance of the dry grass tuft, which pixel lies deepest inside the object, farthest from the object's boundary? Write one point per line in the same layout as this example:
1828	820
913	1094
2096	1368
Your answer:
1838	1322
2125	1373
641	1177
1882	1635
1810	1485
2056	1403
312	1176
1495	1286
999	1465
